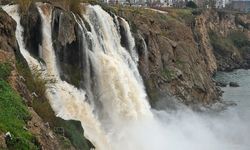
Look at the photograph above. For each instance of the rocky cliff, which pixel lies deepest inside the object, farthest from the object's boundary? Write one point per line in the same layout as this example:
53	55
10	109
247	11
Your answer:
175	63
229	36
185	48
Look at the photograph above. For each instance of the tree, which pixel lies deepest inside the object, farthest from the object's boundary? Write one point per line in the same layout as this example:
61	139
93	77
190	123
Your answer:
191	4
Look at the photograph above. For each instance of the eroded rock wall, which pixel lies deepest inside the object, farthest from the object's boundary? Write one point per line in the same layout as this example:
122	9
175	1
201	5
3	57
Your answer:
176	64
229	36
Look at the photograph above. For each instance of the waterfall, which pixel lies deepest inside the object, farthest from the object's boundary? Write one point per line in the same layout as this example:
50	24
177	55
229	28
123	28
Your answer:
115	69
130	39
116	115
120	90
67	101
12	10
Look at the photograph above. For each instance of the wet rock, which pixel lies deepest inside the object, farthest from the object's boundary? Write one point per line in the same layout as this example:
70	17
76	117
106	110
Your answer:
5	2
221	84
32	29
175	64
63	24
234	84
68	45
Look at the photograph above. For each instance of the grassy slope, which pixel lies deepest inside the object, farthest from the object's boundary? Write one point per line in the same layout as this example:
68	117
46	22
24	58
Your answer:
13	114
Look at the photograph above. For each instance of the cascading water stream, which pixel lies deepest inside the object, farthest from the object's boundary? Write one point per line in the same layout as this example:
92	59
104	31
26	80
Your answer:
12	10
131	41
117	70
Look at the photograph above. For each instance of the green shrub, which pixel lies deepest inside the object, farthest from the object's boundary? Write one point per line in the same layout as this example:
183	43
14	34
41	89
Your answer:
17	143
197	12
34	81
191	4
168	74
221	44
239	39
5	70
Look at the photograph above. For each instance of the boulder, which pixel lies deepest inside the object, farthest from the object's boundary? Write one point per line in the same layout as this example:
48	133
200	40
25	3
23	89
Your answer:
221	84
234	84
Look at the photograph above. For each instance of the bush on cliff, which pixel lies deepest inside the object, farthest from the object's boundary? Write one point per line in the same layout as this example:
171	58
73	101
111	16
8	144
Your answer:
235	40
5	70
239	39
24	5
191	4
221	45
74	6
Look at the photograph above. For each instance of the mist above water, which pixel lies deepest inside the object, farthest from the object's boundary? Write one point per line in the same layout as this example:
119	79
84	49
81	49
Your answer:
184	129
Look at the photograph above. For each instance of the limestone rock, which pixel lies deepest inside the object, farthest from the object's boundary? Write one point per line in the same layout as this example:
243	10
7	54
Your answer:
175	64
7	32
32	25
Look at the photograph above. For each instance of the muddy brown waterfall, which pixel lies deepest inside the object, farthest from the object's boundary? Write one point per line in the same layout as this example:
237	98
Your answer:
96	81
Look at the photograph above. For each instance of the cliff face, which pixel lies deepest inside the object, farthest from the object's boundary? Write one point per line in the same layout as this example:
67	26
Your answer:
173	63
185	49
229	36
7	32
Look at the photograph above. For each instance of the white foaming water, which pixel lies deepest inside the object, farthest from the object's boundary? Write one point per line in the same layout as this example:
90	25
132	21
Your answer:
115	70
67	101
131	42
12	10
125	120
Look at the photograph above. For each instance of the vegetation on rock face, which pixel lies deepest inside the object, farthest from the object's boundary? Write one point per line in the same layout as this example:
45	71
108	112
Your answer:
232	50
239	39
5	70
221	45
14	114
236	39
24	5
34	82
73	5
72	129
168	74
